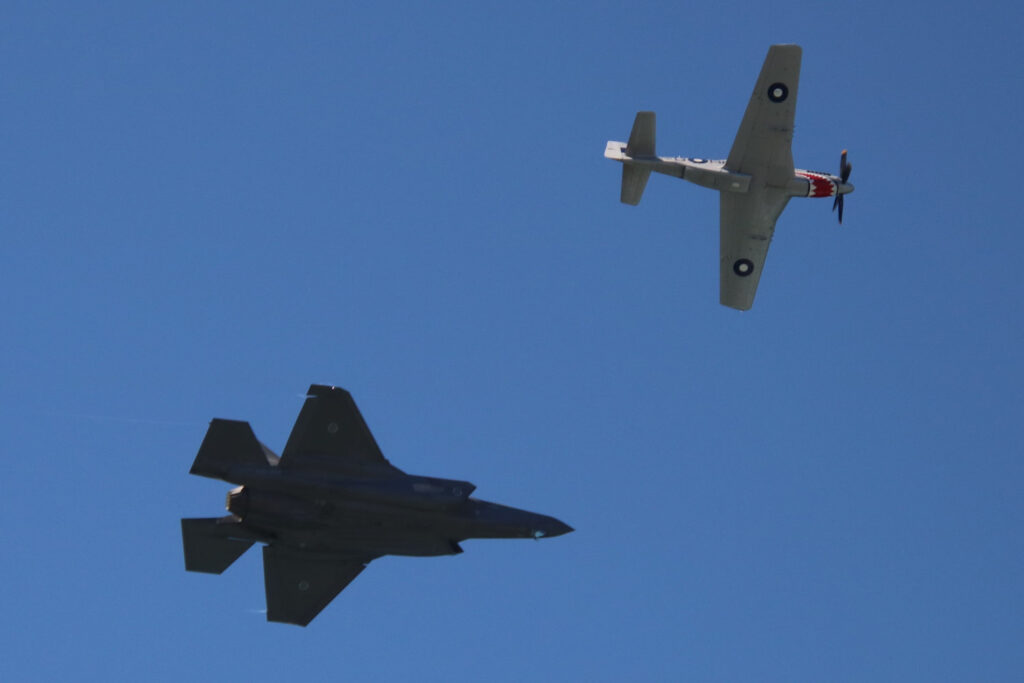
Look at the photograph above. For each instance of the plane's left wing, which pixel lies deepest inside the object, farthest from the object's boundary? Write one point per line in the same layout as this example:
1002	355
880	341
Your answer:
746	226
299	584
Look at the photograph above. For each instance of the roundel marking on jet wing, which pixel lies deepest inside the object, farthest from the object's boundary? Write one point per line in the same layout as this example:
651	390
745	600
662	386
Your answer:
332	428
303	585
743	267
778	92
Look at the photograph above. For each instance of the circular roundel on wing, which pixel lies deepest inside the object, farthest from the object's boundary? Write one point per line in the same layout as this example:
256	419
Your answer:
698	160
778	92
743	267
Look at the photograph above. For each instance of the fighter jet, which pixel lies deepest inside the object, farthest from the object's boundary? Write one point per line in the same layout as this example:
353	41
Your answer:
329	505
755	182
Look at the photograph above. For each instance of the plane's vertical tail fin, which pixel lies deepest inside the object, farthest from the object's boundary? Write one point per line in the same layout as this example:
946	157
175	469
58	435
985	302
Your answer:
228	443
210	543
639	147
641	138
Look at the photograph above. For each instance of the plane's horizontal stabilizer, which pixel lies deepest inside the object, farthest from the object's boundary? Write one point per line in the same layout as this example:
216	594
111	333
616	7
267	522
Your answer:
209	543
634	180
228	443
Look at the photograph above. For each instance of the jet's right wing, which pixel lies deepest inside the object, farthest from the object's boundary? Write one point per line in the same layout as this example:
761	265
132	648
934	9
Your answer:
300	584
330	435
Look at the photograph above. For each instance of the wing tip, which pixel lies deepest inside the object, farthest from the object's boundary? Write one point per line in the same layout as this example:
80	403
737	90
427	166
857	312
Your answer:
735	306
324	390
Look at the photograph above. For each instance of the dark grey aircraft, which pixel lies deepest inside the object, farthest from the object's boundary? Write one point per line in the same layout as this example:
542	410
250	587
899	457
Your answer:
329	504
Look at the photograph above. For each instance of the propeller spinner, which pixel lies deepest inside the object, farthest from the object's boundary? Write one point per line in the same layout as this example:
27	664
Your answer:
844	175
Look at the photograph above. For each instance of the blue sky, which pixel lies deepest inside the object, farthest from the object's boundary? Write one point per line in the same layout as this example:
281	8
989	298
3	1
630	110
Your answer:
209	206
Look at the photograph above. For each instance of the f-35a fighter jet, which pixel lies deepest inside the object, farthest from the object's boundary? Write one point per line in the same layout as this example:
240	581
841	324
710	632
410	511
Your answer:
755	182
329	505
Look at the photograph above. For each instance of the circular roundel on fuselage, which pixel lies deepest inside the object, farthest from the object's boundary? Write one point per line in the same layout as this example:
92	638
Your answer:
743	267
778	92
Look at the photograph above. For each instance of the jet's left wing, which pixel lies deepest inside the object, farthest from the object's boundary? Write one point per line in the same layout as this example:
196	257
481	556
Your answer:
330	435
300	584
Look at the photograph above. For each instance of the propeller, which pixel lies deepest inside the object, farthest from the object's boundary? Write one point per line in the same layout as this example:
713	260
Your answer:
844	175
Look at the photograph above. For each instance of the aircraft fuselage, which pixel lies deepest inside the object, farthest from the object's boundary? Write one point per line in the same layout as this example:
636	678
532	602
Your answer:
415	516
711	173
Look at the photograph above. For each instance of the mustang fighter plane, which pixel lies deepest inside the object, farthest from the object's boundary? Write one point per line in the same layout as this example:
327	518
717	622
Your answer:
755	182
329	505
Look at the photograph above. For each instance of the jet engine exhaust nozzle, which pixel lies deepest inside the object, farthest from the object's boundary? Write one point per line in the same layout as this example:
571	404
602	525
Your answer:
238	502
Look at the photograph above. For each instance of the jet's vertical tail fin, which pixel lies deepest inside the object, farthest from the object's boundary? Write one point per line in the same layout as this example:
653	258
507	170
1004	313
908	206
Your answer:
211	544
639	147
228	443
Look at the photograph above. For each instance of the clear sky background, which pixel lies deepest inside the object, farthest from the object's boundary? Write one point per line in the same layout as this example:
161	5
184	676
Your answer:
208	206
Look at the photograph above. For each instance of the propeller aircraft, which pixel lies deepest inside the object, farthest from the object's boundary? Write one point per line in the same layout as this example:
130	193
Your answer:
756	181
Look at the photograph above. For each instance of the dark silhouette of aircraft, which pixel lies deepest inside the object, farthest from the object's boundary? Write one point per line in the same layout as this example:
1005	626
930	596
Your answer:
329	505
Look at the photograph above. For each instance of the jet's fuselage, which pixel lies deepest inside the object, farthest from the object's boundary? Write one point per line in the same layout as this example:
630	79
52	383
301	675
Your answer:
408	515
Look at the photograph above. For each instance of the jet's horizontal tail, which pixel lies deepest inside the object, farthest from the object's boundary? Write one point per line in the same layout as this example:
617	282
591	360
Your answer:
211	544
229	443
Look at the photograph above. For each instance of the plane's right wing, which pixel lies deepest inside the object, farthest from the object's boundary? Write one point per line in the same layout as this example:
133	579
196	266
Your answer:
763	144
299	584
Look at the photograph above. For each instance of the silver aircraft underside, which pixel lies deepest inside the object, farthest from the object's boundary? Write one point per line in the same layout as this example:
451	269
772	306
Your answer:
755	182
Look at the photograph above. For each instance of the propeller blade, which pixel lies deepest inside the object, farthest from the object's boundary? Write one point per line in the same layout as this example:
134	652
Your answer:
844	175
844	168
